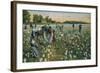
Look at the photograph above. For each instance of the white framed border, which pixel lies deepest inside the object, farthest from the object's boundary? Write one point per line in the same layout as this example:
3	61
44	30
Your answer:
38	65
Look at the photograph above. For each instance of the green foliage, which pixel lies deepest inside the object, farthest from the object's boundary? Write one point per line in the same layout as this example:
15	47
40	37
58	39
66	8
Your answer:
73	45
26	17
37	18
48	20
78	46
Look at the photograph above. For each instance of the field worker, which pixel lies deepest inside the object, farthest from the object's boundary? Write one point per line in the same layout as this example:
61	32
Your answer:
73	25
34	45
80	28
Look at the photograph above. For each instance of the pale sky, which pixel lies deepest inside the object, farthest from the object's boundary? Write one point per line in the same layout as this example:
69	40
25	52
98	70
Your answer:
64	16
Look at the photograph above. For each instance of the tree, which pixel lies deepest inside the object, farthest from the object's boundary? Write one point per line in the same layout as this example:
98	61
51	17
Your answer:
26	17
40	18
37	18
47	19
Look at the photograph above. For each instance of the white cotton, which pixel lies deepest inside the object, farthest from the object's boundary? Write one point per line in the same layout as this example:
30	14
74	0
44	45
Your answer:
66	52
33	41
25	59
62	35
39	29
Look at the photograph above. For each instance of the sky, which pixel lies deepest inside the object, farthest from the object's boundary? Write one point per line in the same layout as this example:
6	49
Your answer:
63	16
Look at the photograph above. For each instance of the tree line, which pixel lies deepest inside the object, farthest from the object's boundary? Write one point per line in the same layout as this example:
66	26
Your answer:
36	18
39	19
